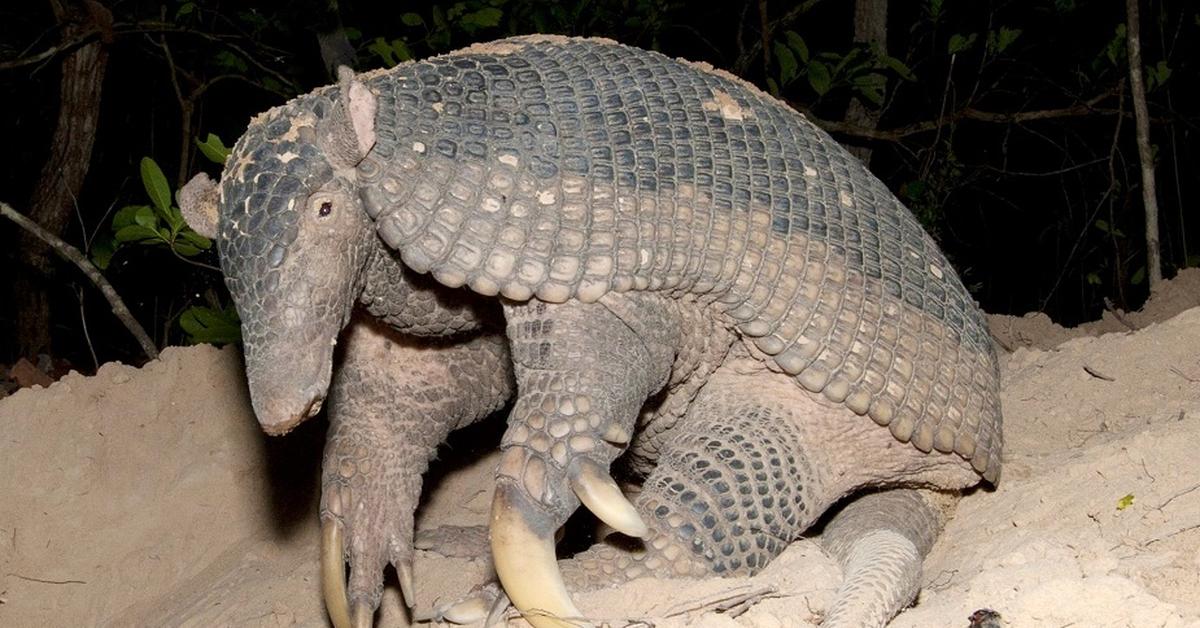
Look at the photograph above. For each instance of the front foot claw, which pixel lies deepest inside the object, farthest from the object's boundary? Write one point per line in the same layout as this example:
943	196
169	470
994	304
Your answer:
333	575
354	608
523	553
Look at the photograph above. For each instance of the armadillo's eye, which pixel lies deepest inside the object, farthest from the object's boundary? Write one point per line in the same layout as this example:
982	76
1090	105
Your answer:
326	208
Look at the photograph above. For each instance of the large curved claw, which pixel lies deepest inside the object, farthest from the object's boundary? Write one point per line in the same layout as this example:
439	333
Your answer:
523	550
404	572
593	486
333	582
333	574
362	615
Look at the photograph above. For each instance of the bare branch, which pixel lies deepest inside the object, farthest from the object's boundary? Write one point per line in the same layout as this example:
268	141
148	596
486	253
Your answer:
895	135
1145	154
49	53
71	253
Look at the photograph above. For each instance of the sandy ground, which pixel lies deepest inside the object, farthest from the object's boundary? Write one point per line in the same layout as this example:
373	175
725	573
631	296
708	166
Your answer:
146	497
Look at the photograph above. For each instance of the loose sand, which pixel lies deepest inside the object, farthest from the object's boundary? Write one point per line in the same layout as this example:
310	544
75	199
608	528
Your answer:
148	497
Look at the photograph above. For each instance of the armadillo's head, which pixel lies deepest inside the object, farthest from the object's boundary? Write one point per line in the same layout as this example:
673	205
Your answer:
293	240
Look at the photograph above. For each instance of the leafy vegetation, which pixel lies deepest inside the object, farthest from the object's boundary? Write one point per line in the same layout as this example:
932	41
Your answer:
1006	127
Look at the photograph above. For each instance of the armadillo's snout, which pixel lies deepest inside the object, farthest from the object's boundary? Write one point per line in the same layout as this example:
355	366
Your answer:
289	379
281	416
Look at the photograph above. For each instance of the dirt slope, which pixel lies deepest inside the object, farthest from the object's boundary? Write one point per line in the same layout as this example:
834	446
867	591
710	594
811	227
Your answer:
148	497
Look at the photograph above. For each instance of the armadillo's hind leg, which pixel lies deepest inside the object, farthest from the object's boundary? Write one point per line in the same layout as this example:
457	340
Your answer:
880	539
735	484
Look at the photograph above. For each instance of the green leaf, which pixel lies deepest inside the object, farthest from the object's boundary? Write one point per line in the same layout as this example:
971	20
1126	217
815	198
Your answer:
1093	279
959	42
128	216
146	217
102	252
871	86
914	189
136	233
997	41
1157	74
185	249
796	43
384	51
845	62
1102	225
412	19
935	8
204	324
186	9
175	220
898	67
1115	49
1125	502
1139	276
230	61
401	50
483	18
270	83
439	17
772	86
787	63
195	239
213	149
818	77
1006	38
156	184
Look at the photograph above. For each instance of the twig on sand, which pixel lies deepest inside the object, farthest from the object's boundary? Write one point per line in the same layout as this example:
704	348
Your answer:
1097	374
44	581
733	603
1178	372
71	253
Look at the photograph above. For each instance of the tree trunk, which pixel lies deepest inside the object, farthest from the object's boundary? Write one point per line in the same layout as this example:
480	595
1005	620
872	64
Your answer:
53	199
870	27
1142	115
336	49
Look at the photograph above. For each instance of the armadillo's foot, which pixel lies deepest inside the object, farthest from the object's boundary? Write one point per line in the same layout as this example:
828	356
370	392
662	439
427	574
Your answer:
368	497
352	609
880	539
551	464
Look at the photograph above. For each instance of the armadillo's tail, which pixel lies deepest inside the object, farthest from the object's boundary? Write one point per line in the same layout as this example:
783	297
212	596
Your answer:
881	539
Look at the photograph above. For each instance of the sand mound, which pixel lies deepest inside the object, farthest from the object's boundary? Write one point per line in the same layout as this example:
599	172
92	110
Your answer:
1035	329
148	497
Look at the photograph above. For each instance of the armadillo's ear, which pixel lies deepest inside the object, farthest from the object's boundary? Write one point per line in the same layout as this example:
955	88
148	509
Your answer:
349	132
361	105
198	204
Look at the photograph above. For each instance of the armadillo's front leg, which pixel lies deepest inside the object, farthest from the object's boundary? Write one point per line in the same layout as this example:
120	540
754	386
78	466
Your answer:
583	372
393	402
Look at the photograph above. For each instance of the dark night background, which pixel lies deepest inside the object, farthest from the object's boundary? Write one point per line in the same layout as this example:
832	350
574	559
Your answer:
1006	126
